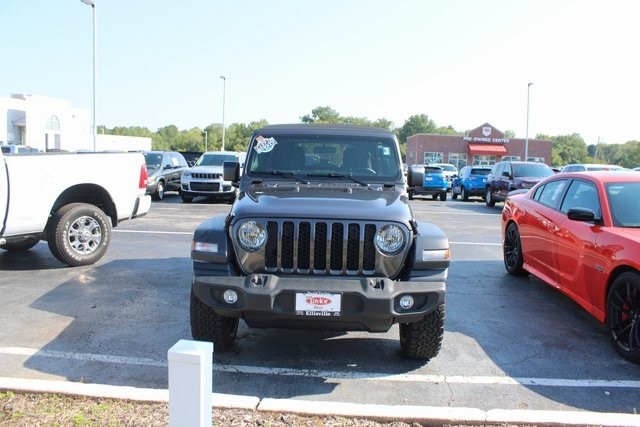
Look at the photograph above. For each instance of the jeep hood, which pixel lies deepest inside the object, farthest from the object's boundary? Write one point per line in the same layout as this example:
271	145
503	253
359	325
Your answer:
359	203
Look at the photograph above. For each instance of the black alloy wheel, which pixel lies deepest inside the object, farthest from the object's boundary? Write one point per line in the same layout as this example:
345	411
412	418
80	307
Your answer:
623	315
512	251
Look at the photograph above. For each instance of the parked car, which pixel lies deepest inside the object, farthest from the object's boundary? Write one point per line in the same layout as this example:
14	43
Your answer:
11	149
50	198
435	183
580	233
165	170
191	156
331	244
205	177
471	181
449	170
510	176
581	167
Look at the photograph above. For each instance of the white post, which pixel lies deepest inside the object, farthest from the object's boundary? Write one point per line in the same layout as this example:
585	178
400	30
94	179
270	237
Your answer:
224	89
190	378
526	138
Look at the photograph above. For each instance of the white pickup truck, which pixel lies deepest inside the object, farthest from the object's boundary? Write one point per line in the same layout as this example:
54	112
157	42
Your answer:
72	201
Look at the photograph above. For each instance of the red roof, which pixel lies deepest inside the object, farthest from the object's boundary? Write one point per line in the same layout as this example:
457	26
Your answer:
487	149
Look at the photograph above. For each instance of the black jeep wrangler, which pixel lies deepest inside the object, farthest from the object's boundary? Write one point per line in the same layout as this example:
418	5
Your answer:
321	236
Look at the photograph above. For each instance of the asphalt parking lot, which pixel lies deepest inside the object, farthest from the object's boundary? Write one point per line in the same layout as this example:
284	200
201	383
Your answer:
510	343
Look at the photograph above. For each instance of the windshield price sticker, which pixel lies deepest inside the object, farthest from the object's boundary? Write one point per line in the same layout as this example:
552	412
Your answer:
318	304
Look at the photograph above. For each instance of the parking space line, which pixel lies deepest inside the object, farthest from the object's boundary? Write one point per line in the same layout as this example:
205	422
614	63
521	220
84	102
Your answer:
332	375
154	232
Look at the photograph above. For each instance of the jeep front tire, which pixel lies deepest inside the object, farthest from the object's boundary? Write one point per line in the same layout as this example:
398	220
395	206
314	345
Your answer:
423	339
206	325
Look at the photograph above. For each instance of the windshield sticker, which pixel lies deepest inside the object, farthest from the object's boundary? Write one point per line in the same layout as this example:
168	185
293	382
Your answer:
264	145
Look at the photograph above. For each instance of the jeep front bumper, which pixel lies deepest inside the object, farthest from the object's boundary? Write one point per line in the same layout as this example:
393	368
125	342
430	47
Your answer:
366	303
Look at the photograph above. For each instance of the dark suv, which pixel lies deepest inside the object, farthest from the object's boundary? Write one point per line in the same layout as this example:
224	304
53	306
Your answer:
509	176
165	170
320	236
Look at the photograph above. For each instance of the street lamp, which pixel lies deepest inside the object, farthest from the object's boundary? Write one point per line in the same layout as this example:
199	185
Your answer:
224	87
92	3
526	138
206	140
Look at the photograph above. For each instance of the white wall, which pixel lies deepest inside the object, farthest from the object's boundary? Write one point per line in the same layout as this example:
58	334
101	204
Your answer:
74	133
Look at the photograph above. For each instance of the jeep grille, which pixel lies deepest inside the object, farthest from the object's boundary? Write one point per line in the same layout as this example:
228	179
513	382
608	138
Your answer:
320	247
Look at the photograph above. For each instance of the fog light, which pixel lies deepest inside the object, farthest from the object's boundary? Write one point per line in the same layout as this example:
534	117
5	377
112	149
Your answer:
230	297
406	302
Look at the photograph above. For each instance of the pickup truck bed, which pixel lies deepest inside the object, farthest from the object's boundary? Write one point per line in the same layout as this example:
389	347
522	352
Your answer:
69	200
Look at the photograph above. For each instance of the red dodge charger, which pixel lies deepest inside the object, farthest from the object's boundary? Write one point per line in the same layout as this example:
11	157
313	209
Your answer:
580	233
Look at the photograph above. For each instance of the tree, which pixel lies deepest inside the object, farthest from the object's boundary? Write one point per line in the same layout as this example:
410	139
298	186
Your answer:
419	123
567	149
324	114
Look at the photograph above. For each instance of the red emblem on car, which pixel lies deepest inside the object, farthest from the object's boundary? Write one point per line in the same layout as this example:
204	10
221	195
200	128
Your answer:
318	300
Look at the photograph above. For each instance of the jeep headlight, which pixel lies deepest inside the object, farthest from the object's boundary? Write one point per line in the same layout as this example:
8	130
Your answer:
186	173
390	239
251	235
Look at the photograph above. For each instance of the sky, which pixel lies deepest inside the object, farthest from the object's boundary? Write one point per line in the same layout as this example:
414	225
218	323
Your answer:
461	62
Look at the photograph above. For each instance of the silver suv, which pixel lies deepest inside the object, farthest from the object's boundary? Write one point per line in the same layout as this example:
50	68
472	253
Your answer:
205	177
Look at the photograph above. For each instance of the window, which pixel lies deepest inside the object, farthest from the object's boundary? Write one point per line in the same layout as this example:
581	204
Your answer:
432	157
510	158
484	160
53	123
581	194
459	160
549	195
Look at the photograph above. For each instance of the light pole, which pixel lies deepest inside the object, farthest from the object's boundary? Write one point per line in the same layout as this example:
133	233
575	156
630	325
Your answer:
224	88
206	140
526	137
92	3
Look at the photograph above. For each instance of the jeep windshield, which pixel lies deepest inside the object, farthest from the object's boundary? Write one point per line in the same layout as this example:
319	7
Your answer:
360	159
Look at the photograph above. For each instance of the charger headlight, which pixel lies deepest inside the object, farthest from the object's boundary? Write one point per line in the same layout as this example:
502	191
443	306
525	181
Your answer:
251	235
390	239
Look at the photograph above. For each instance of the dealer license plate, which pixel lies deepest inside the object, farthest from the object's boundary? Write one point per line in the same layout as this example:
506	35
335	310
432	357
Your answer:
318	304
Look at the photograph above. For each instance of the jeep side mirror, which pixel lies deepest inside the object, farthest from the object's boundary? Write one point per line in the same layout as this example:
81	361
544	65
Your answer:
231	171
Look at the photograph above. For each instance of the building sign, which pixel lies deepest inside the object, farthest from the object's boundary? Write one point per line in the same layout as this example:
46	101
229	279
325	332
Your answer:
484	139
486	131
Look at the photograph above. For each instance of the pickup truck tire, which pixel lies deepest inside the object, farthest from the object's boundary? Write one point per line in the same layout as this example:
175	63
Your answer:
79	234
20	245
423	339
186	199
206	325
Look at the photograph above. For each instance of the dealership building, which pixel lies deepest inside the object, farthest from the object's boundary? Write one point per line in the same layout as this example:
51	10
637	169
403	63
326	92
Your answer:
50	124
484	145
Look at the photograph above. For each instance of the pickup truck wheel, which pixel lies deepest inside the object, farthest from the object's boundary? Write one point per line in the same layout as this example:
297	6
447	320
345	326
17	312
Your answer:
443	196
488	199
423	339
20	245
206	325
79	234
159	193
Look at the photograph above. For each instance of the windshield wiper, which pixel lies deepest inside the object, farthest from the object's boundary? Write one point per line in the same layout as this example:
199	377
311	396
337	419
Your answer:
283	174
339	176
